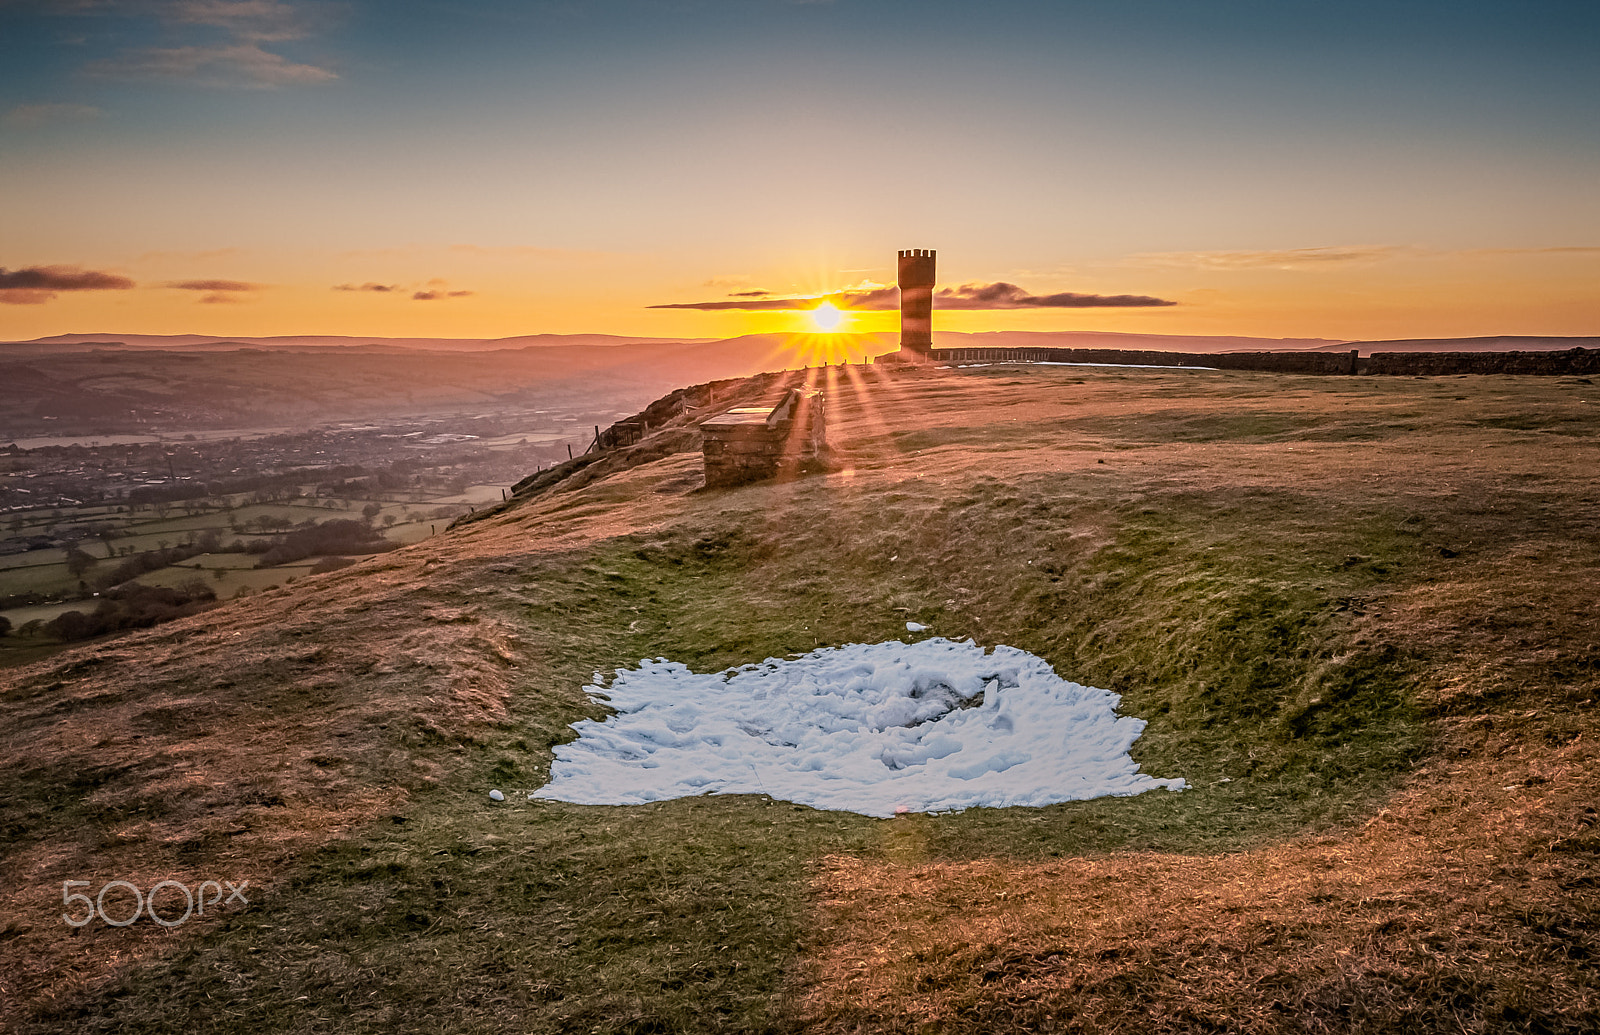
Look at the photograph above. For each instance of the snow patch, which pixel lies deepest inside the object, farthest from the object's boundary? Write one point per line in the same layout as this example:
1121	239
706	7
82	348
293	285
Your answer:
879	729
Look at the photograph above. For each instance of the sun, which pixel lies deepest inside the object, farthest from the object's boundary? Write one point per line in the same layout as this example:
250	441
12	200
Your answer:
826	317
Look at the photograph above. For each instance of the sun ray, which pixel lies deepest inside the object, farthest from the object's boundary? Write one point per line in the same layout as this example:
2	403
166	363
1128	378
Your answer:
864	398
821	350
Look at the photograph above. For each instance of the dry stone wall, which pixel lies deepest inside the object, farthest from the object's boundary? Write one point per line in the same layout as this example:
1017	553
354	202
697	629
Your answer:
1577	361
1566	361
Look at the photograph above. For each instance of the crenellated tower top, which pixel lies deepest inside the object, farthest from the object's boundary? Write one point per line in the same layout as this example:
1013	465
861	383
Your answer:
916	302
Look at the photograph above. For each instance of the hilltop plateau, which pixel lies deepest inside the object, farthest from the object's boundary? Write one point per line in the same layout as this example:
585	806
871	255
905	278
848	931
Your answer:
1357	614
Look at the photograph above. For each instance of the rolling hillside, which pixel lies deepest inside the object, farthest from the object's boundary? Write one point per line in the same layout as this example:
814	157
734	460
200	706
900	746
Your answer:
1356	613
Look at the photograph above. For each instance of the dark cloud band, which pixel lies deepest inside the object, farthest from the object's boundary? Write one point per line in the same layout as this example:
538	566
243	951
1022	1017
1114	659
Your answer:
999	295
36	285
1009	296
61	278
428	295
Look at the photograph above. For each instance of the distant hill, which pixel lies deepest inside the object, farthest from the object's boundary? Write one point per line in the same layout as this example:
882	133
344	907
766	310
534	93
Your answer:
855	345
661	362
190	341
45	386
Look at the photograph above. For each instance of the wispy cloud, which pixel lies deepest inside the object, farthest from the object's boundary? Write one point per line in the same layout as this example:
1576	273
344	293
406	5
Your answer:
221	43
35	285
999	295
266	21
32	116
233	64
1289	258
216	291
798	302
1570	249
368	286
214	285
1333	256
435	290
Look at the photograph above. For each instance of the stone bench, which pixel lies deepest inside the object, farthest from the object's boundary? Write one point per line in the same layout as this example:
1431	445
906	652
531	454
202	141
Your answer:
751	443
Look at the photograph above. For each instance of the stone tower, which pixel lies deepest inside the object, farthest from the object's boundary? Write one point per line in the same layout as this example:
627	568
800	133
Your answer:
916	304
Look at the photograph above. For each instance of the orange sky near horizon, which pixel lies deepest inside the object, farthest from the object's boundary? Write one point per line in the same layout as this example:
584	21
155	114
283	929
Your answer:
1407	293
1361	170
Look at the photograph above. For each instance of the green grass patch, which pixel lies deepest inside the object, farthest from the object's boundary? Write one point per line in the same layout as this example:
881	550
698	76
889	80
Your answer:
466	916
1552	423
1224	620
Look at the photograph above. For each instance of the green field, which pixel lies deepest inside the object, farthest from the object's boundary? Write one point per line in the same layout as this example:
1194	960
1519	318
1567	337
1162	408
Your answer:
49	578
232	580
31	559
45	571
44	612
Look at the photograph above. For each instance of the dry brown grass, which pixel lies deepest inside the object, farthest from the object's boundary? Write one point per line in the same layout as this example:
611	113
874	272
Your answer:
1470	903
225	747
231	745
1384	930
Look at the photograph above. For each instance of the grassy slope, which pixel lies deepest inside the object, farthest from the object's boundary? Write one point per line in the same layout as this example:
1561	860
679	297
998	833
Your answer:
1256	564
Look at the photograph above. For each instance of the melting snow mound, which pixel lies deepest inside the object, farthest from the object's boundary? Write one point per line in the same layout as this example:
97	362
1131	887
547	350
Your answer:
935	726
